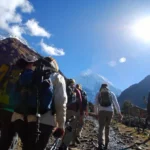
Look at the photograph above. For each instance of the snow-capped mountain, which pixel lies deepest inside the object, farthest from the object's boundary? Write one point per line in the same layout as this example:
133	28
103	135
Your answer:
91	83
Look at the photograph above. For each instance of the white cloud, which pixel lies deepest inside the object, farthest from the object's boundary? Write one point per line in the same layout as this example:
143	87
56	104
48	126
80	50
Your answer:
17	31
26	6
50	50
35	29
112	63
122	60
11	19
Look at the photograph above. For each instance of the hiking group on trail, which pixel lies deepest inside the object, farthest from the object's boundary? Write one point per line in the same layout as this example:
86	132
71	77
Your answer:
36	101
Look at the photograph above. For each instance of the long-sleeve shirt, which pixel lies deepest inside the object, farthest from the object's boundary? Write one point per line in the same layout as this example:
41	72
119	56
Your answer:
60	102
98	107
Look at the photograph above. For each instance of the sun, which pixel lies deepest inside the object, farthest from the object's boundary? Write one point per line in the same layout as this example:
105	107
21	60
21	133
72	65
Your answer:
141	29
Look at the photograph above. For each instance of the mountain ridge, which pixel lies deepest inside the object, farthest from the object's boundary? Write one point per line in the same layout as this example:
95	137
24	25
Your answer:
136	92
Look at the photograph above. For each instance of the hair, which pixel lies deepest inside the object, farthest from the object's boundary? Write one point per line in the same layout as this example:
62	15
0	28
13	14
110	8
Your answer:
53	64
78	86
103	86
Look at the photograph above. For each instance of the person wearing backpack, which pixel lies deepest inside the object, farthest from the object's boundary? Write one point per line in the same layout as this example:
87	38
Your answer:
84	108
74	108
104	102
33	130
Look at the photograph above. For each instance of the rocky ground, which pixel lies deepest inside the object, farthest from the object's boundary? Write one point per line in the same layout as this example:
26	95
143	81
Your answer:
131	137
89	137
121	137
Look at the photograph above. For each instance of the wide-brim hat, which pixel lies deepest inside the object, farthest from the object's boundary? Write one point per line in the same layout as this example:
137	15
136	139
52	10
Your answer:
29	58
24	60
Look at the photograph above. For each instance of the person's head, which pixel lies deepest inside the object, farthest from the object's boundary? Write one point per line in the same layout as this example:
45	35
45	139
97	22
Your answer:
53	66
104	85
26	62
78	86
72	82
29	66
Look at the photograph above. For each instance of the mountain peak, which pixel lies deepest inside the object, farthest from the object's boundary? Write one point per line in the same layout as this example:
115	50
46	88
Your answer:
89	73
86	72
91	82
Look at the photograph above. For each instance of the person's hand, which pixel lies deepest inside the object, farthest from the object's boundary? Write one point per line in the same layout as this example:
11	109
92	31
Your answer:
58	132
120	116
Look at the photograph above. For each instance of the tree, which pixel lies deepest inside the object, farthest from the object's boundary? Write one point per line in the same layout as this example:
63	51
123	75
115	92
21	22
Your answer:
126	107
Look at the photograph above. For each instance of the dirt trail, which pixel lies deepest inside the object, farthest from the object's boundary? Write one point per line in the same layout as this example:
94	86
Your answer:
89	138
118	140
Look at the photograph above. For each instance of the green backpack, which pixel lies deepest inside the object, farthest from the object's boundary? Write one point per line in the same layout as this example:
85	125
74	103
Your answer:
9	75
104	97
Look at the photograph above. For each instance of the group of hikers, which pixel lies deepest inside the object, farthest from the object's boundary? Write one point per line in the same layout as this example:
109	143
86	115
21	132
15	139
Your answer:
44	99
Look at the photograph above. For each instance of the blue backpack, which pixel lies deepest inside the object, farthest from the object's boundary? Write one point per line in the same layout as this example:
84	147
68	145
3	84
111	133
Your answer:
26	95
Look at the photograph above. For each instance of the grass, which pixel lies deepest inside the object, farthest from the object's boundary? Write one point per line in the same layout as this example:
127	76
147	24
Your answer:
135	138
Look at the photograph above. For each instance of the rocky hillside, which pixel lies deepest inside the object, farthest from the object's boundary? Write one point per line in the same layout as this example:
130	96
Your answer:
12	49
136	92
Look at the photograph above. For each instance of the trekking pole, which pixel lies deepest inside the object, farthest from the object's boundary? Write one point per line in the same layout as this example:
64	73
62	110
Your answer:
56	144
58	141
39	80
38	118
14	143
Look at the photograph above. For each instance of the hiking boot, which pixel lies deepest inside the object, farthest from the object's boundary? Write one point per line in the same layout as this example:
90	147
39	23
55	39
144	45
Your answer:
101	147
77	140
106	146
63	147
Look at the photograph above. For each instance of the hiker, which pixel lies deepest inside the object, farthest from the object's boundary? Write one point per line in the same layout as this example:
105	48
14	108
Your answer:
24	119
104	101
74	108
84	108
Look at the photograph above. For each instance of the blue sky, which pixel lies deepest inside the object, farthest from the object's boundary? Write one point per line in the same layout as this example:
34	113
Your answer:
84	34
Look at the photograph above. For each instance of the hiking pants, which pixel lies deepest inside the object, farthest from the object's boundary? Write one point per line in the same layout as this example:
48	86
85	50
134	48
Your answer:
104	121
71	136
5	127
27	134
